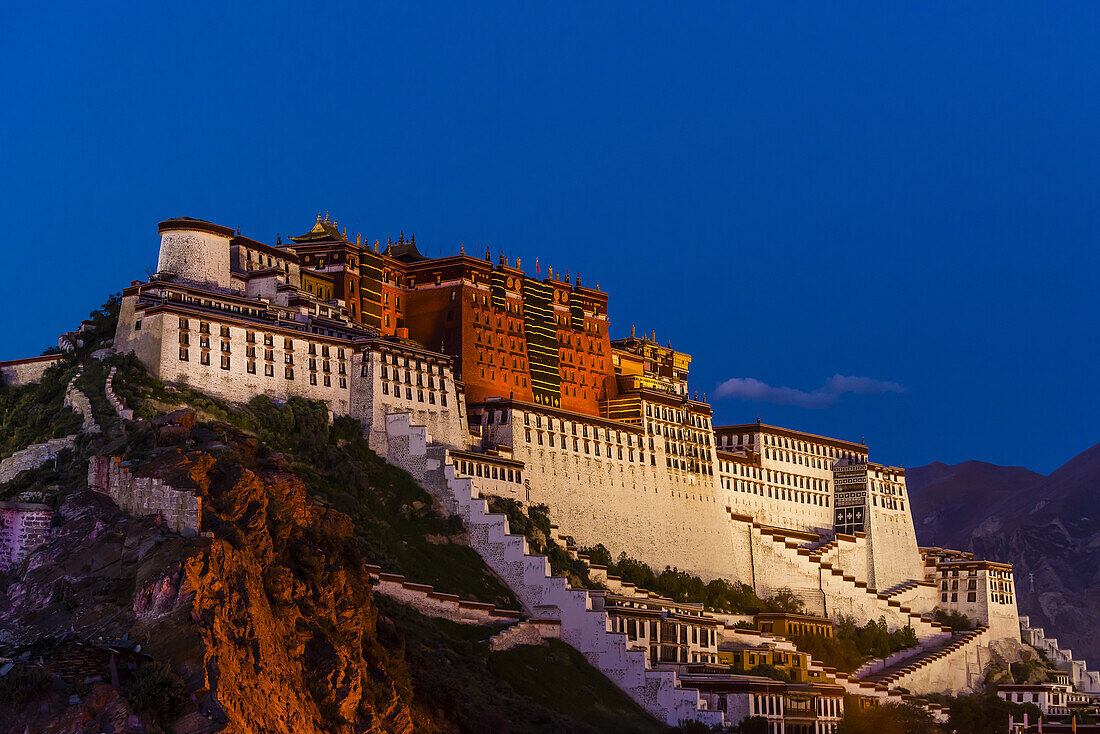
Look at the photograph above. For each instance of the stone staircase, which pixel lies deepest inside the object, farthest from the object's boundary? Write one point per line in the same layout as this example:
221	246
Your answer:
431	603
527	632
543	596
37	454
841	591
116	402
1087	681
851	682
903	587
903	673
79	402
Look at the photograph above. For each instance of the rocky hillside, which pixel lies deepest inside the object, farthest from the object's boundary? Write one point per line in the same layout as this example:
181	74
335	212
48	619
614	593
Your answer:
269	623
946	499
1048	526
266	621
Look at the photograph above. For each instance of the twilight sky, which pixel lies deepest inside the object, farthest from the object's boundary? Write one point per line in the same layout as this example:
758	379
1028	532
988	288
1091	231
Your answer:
868	220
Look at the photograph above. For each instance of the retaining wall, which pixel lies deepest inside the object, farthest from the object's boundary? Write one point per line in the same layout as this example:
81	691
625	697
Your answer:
180	509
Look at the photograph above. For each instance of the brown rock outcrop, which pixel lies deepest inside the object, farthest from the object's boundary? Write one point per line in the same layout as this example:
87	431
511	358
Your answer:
270	622
283	606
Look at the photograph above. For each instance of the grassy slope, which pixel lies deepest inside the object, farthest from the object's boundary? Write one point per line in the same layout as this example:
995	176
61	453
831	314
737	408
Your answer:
527	689
546	689
397	528
36	413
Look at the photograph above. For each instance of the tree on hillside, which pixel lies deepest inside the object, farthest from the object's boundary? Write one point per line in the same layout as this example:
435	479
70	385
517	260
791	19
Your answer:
753	725
892	718
987	713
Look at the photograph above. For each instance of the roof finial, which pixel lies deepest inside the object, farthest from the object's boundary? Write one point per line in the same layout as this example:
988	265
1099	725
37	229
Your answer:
345	232
318	217
461	248
358	239
401	238
519	265
632	331
488	254
412	238
376	244
326	216
567	275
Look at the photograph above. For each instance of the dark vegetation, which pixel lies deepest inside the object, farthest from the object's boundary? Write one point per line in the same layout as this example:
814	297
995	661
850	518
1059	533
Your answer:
851	645
888	719
983	713
718	595
156	689
539	689
750	725
397	527
957	621
36	413
23	684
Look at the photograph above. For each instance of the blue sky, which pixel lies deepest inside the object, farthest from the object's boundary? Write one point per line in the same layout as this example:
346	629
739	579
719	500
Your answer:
904	193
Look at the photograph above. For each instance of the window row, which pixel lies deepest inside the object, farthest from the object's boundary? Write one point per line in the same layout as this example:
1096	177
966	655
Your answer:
396	392
489	471
251	368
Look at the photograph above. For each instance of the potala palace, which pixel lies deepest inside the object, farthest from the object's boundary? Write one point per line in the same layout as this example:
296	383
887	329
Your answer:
486	378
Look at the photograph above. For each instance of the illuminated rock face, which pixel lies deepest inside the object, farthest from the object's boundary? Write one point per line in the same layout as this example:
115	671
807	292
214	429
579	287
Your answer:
270	622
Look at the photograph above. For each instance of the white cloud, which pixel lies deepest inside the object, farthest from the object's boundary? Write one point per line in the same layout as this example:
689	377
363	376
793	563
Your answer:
749	388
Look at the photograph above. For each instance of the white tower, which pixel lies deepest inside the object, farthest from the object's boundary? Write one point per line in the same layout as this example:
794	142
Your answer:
195	250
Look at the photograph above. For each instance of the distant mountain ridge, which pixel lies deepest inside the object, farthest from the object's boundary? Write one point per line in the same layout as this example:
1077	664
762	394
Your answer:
1047	527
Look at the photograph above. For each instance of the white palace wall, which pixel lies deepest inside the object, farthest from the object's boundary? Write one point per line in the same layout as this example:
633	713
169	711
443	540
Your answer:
389	378
748	492
892	541
19	372
661	516
160	339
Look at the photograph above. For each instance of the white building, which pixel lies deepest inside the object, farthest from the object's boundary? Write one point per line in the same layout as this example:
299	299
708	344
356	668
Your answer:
1051	698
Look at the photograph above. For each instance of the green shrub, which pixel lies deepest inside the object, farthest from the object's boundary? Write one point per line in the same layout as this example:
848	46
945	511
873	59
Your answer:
534	525
770	671
987	713
36	413
158	690
718	595
23	684
957	621
851	645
